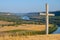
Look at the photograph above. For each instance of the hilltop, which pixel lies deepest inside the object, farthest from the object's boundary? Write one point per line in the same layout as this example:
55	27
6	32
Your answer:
57	13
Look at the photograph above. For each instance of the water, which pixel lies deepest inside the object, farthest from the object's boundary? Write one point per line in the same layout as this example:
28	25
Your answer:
25	18
57	31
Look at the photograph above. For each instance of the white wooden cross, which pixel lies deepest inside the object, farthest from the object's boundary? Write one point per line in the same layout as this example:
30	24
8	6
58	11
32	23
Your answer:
47	18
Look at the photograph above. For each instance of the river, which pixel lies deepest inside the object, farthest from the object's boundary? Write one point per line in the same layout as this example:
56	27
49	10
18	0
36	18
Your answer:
57	31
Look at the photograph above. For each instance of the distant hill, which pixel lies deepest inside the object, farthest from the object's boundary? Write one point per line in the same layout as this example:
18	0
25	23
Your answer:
33	14
57	13
3	13
5	16
20	14
36	14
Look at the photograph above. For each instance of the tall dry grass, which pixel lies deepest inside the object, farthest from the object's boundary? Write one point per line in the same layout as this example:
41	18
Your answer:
5	22
9	36
32	37
24	27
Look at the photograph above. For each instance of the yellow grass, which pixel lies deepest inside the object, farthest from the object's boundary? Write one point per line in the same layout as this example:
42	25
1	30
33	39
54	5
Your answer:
24	27
27	27
5	22
21	27
33	37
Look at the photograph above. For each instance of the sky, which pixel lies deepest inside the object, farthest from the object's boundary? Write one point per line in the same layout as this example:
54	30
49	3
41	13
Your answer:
25	6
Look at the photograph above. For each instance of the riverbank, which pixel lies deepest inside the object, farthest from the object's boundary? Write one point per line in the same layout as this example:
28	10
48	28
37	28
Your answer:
53	29
57	31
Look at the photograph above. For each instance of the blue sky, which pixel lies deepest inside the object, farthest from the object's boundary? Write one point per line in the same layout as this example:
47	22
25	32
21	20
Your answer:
24	6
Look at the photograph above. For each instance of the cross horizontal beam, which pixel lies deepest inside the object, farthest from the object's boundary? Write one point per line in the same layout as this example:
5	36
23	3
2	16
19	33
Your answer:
43	14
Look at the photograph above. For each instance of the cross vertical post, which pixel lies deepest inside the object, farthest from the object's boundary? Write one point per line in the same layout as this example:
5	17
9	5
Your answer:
47	20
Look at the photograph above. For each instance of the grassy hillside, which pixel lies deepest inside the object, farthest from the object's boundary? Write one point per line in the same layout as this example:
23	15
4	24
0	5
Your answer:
26	30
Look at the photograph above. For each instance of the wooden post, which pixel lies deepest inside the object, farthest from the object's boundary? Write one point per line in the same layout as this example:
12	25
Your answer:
47	20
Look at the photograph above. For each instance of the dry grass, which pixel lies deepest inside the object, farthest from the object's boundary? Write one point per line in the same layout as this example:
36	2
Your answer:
33	37
27	27
24	27
5	22
21	27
